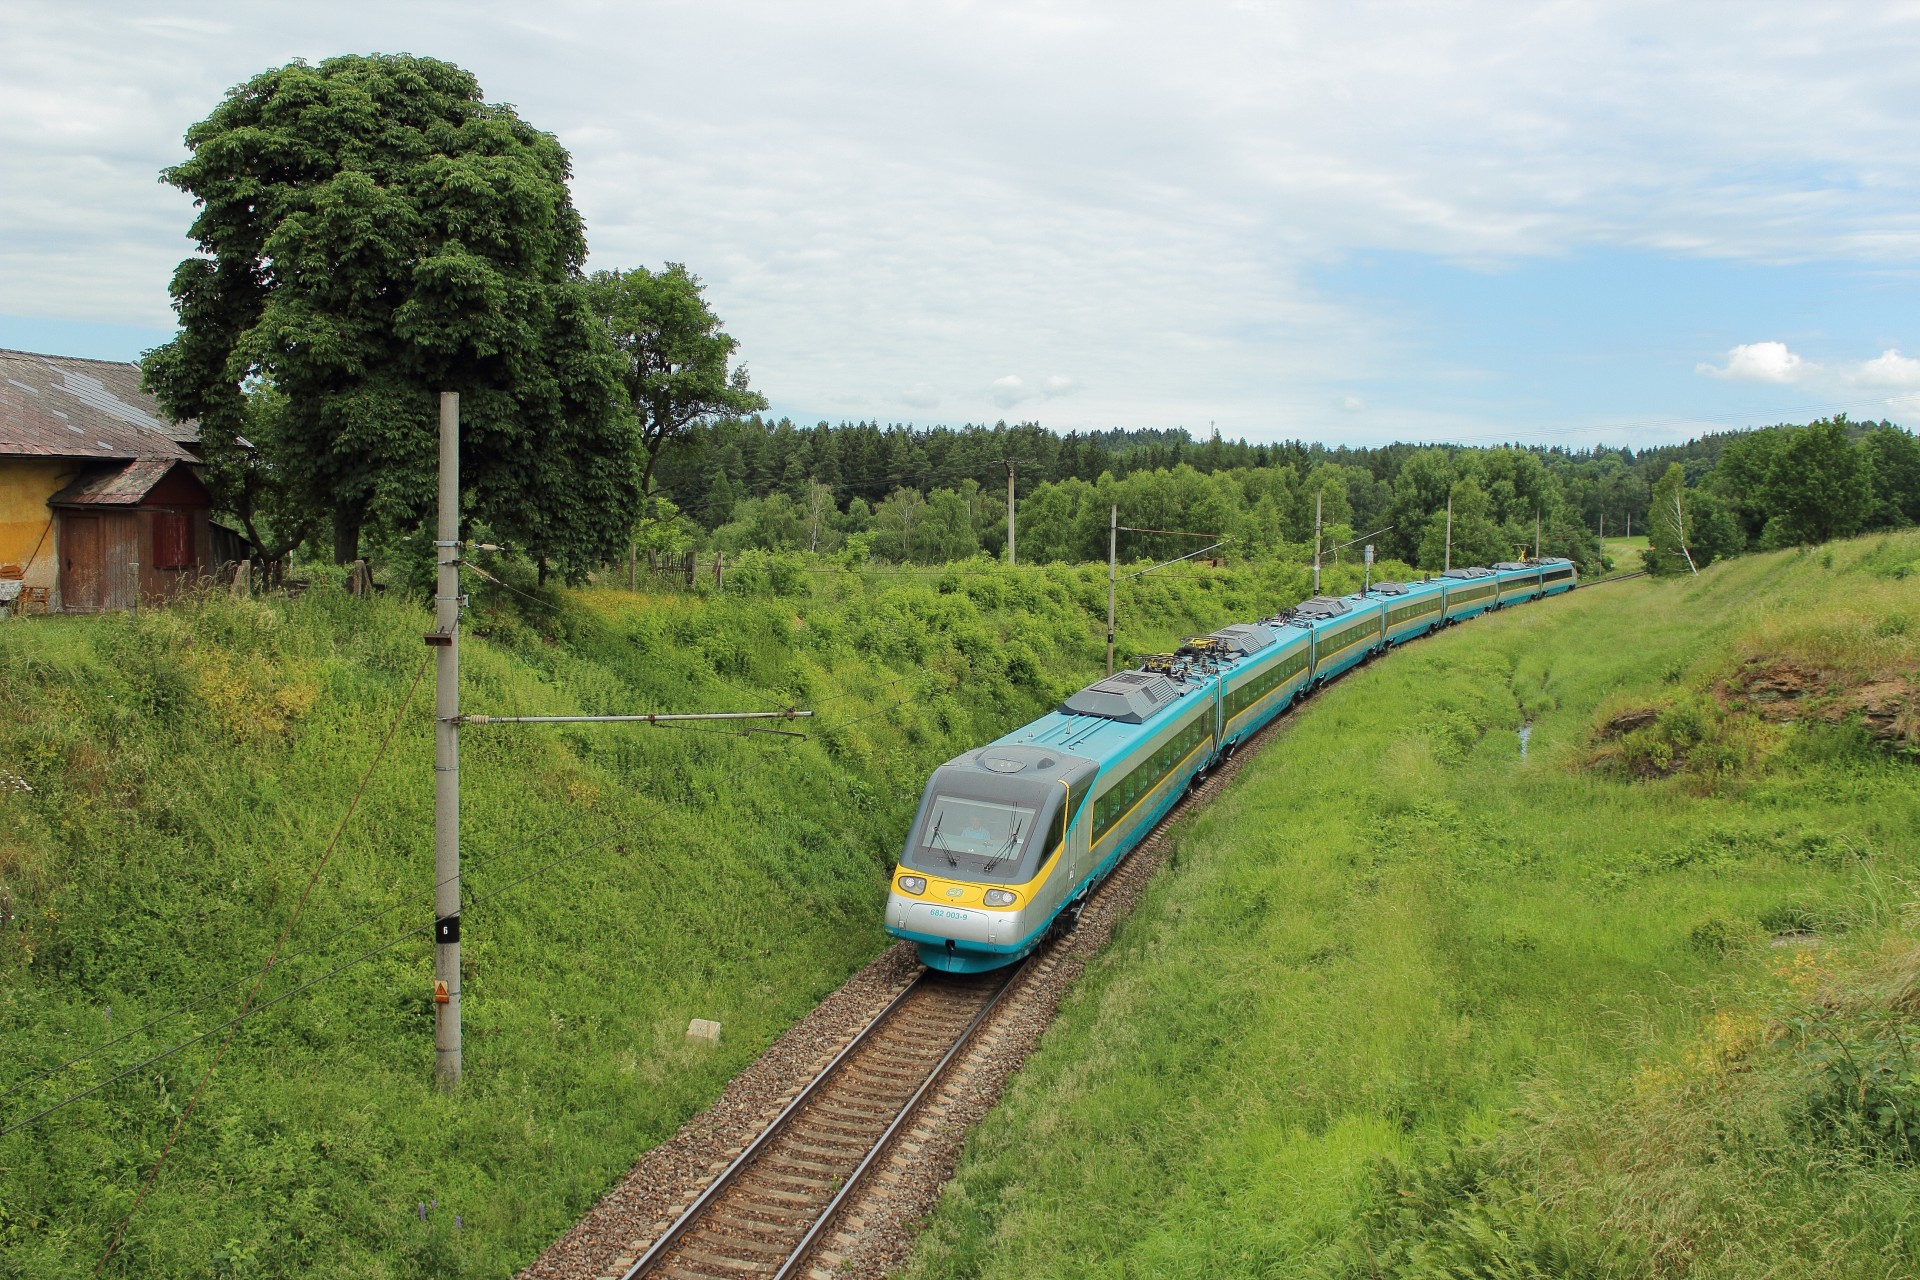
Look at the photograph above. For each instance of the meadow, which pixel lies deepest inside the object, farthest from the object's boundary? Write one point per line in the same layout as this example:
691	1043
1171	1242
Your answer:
1642	999
169	782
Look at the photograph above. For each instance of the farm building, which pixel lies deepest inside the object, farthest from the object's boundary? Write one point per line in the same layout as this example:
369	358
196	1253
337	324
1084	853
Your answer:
100	496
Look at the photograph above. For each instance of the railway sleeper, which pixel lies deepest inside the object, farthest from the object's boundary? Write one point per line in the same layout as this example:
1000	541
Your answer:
778	1217
704	1265
801	1190
832	1152
748	1248
838	1109
807	1168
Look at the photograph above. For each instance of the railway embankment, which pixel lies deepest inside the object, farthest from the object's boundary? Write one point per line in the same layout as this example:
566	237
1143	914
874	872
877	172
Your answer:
1405	1003
168	784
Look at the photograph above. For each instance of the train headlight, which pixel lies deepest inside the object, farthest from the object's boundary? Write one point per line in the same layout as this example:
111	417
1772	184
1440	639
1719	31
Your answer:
912	884
1000	898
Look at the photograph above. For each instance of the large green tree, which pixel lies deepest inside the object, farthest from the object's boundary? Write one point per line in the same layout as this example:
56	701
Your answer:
674	355
373	232
1895	455
1819	485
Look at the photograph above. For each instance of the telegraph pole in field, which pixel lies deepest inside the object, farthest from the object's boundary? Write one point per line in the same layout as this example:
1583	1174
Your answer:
446	757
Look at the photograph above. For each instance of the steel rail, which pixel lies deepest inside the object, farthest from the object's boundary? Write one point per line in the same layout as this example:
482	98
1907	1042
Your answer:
691	1217
1618	577
824	1223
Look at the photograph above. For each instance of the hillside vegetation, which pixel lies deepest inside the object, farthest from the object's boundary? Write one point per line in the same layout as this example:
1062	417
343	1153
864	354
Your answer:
168	782
1638	996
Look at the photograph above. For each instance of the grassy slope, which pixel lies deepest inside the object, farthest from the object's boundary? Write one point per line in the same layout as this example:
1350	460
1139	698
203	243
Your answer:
167	784
1405	1004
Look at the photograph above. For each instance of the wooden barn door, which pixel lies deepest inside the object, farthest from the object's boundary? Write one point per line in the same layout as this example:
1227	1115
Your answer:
119	549
96	558
79	563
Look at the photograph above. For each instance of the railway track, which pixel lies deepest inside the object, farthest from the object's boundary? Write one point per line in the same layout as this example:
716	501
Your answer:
765	1214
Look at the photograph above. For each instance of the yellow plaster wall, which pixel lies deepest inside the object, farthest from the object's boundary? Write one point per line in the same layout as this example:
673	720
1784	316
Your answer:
25	486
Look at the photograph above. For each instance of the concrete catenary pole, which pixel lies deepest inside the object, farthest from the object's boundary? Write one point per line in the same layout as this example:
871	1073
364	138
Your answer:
1113	560
1010	465
1316	540
446	758
1447	563
1536	533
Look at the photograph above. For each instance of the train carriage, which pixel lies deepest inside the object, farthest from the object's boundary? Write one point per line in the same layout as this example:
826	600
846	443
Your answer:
1557	575
1470	592
1264	669
1519	581
1346	630
1413	608
1009	839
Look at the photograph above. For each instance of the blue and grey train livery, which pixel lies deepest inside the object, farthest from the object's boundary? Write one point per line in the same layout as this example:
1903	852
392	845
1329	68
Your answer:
1009	839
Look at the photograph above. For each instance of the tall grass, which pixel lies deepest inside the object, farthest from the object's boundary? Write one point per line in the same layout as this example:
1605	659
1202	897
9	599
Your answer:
167	783
1405	1004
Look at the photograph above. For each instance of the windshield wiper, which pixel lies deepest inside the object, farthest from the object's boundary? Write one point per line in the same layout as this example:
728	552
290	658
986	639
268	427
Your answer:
935	835
1013	838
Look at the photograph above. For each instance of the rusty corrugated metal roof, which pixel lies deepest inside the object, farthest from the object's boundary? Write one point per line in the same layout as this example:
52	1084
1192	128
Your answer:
65	407
112	486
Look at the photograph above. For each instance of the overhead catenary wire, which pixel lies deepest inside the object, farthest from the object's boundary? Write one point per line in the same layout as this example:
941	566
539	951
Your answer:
1164	563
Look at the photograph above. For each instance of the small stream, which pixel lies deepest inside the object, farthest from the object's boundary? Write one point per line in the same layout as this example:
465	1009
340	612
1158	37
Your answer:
1526	731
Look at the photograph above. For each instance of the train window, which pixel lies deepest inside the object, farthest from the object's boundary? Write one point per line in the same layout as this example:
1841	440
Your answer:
984	828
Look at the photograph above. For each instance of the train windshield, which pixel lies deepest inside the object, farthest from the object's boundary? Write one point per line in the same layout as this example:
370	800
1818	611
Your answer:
996	838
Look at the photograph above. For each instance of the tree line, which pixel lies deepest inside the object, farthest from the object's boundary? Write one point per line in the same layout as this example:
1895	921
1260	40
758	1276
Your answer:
1784	486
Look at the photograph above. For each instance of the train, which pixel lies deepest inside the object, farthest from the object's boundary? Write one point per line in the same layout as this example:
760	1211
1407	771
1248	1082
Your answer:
1009	839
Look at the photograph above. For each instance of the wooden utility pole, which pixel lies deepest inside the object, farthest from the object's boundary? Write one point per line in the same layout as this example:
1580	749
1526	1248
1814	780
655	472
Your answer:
446	757
1010	556
1316	540
1113	558
1447	562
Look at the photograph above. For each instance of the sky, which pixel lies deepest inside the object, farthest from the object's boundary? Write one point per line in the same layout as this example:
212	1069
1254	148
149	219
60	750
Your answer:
1573	223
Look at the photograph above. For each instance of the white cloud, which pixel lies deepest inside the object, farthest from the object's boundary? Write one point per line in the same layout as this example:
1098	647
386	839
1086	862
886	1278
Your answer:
1350	404
1888	369
920	395
1013	389
1009	391
1760	362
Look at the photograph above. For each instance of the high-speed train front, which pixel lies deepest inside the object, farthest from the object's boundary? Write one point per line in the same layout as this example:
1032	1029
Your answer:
989	862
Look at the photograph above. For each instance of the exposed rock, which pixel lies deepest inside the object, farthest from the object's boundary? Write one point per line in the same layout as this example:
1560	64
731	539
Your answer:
1627	721
1784	691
